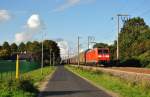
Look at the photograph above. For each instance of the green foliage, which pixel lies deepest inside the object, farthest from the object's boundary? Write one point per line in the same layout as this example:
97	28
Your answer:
36	76
14	47
4	53
32	49
25	87
51	46
134	40
21	47
145	58
21	88
100	45
5	50
6	46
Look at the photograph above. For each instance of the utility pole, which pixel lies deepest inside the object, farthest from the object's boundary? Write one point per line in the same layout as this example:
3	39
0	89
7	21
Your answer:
78	51
53	58
68	56
50	62
42	55
118	18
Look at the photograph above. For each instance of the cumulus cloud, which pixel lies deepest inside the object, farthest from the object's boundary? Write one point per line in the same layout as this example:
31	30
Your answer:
33	26
34	22
63	45
23	36
4	15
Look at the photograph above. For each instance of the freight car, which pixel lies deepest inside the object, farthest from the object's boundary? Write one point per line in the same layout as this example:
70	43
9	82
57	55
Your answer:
93	56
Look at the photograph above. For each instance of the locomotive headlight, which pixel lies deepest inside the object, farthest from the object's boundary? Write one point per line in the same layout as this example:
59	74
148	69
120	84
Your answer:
100	56
107	56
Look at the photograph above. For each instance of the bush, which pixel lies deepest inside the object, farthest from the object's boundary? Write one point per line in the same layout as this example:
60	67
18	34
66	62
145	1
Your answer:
22	88
131	63
27	86
145	59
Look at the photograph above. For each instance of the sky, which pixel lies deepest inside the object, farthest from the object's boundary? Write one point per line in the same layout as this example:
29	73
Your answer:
65	20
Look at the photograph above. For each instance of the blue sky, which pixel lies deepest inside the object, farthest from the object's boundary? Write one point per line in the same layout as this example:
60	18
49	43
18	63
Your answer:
67	19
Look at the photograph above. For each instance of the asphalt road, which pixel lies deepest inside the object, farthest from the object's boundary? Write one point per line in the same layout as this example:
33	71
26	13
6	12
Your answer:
66	84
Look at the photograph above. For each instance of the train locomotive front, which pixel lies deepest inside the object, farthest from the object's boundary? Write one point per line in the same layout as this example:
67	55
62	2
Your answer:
98	56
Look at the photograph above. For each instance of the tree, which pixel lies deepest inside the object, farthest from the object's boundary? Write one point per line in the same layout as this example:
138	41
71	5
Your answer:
6	46
6	50
51	45
34	48
4	53
130	36
14	47
100	45
0	47
29	46
22	47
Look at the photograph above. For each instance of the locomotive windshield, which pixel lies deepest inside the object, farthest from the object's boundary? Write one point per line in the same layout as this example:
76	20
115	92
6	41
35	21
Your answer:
100	52
103	51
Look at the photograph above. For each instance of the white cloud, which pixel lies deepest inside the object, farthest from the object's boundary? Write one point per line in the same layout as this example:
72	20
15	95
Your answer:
70	3
23	36
4	15
34	22
67	4
33	26
63	45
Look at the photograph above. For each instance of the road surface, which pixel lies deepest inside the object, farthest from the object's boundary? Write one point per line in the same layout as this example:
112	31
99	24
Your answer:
66	84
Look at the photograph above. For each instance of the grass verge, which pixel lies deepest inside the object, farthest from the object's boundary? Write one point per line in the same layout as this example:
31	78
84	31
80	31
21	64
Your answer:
114	84
25	87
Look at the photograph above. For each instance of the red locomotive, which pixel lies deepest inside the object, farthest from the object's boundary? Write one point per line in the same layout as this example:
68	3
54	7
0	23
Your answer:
93	56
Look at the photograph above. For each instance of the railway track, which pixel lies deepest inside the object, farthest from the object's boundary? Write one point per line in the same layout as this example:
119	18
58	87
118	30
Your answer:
126	69
136	75
132	69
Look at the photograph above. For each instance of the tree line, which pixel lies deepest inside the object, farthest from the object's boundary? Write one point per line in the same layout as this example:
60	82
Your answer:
134	43
50	49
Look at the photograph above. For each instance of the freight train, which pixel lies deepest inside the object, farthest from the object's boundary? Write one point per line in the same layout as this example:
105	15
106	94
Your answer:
94	56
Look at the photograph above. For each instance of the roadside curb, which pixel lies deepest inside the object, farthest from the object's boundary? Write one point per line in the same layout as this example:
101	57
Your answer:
44	83
97	86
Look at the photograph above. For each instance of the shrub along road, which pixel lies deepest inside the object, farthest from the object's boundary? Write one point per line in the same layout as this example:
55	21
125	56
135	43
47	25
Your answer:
66	84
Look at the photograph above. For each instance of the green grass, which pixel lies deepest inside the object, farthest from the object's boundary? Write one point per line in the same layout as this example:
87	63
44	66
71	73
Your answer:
4	76
25	87
114	84
36	75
